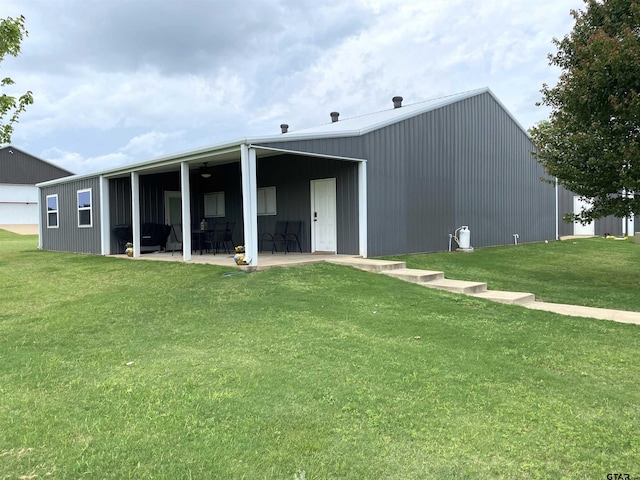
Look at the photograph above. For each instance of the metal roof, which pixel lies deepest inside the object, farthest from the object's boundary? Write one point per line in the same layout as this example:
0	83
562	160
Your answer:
229	151
363	124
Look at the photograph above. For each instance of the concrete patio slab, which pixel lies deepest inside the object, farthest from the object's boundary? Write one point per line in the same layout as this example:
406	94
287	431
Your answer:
266	260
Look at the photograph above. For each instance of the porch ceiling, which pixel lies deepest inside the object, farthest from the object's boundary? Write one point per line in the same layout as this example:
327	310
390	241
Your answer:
211	159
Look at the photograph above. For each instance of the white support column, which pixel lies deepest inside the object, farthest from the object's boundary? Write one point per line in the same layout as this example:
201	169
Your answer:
185	195
362	208
105	218
41	211
135	212
249	202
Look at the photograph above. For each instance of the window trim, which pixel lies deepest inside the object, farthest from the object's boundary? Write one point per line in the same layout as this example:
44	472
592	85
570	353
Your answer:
265	212
220	200
83	209
56	211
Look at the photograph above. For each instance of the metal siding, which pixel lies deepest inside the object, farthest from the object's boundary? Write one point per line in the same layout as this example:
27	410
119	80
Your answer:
69	237
610	224
21	168
388	195
352	147
467	163
498	191
565	205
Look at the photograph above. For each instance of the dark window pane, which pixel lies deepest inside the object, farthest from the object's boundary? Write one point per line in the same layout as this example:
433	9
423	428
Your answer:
52	219
85	217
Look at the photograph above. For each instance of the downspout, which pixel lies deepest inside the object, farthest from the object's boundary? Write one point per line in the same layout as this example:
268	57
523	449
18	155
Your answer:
40	211
624	219
557	214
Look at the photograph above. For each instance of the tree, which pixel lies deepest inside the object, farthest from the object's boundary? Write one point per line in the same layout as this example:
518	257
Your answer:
591	141
12	31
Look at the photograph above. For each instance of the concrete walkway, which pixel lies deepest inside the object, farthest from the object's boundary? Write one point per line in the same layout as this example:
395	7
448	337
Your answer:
435	279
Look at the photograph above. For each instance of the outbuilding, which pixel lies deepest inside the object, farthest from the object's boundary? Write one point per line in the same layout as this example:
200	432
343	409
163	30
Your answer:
396	181
19	173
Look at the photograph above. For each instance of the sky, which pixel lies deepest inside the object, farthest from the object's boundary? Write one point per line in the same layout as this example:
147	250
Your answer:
123	81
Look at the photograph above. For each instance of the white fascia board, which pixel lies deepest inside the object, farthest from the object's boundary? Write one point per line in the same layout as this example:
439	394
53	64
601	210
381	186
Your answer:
176	159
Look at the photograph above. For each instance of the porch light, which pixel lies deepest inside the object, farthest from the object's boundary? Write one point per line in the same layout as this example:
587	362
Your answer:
204	171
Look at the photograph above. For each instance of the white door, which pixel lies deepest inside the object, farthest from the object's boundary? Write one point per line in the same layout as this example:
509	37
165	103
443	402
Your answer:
173	216
578	228
323	215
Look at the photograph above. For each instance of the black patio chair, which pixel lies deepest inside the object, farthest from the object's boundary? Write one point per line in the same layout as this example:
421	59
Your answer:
123	234
278	236
217	238
176	232
228	237
292	236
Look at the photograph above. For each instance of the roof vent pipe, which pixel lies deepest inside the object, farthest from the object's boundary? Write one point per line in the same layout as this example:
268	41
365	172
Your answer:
284	127
334	116
397	102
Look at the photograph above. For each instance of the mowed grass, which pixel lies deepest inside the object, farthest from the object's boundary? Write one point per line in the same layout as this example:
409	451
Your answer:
116	368
594	272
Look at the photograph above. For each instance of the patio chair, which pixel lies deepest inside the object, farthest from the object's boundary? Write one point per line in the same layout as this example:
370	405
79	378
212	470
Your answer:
292	235
277	236
217	238
176	238
228	237
123	234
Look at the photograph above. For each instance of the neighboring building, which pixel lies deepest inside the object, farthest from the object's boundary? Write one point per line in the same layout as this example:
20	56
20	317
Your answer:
569	202
19	173
392	182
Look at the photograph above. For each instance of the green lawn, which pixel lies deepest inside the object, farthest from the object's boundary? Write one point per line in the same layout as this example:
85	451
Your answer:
594	272
116	368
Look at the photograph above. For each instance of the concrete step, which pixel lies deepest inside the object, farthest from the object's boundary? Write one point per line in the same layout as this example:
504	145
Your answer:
511	298
414	275
369	265
457	286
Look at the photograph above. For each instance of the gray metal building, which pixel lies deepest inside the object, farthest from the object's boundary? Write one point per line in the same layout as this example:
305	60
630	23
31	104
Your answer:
19	173
392	182
569	202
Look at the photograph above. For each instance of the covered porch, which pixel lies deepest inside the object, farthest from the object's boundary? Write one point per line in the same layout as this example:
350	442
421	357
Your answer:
250	188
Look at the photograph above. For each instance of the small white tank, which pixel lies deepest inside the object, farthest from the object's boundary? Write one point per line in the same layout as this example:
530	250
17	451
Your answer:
464	237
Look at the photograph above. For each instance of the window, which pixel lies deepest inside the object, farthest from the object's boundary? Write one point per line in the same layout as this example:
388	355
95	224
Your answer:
84	208
52	211
267	201
214	204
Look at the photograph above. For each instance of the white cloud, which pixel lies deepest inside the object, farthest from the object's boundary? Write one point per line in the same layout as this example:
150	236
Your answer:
270	62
